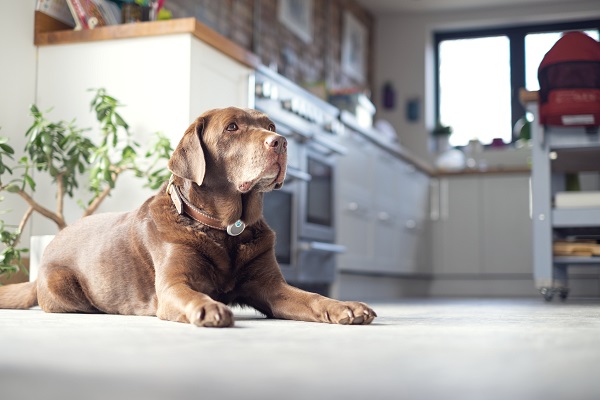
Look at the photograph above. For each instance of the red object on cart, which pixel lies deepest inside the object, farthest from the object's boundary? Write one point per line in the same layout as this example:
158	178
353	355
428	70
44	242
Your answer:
569	77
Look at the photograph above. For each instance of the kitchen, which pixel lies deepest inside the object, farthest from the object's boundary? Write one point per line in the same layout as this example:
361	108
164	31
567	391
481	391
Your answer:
405	229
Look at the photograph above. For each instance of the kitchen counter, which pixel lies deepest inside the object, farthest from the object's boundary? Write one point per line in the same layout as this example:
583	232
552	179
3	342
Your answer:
416	349
49	31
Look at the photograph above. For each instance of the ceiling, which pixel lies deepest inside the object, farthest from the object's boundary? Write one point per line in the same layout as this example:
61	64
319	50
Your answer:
399	6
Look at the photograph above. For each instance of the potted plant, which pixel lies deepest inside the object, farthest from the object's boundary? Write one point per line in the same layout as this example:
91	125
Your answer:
66	153
441	134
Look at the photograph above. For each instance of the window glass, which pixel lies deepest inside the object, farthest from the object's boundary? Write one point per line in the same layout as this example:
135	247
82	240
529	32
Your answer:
536	47
475	89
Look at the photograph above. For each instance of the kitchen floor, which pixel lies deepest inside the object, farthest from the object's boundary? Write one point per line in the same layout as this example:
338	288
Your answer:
416	349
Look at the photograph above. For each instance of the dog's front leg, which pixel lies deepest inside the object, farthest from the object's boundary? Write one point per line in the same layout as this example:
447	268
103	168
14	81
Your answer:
287	302
178	302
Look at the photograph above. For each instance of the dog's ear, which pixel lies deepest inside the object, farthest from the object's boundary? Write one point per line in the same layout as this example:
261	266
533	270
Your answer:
187	161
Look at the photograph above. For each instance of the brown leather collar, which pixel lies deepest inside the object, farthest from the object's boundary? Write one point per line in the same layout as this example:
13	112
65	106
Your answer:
183	205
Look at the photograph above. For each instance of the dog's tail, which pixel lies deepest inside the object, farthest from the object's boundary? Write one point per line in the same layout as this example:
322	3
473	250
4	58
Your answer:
19	295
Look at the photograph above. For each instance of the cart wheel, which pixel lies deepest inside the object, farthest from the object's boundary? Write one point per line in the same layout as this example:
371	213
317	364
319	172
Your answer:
548	293
563	294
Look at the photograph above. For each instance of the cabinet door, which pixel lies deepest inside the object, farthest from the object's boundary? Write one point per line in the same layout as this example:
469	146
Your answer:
386	241
386	172
355	167
507	227
354	229
414	193
456	232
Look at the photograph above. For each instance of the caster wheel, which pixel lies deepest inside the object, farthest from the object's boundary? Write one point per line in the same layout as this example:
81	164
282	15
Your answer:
563	294
547	293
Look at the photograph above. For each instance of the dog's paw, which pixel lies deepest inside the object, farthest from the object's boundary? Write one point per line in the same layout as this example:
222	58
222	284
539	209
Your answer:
212	314
349	313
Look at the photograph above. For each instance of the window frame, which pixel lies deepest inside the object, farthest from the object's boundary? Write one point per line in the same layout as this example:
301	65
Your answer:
516	36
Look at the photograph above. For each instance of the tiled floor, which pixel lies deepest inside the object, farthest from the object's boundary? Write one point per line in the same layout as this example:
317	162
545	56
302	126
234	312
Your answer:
416	349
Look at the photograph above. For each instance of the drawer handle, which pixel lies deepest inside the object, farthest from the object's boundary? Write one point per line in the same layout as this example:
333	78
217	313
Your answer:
322	246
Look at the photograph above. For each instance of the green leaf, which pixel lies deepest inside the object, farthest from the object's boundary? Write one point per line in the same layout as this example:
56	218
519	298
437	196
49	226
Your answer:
120	121
29	180
12	189
7	149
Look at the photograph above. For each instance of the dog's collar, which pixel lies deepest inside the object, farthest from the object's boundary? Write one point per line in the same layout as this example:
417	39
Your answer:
183	205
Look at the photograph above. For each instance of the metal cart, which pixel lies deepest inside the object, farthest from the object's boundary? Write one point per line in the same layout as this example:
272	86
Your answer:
555	152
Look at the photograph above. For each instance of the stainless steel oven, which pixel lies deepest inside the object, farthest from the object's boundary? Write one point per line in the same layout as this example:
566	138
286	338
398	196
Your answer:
302	212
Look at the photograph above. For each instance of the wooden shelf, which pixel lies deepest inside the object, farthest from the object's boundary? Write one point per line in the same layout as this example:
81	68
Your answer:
49	31
526	96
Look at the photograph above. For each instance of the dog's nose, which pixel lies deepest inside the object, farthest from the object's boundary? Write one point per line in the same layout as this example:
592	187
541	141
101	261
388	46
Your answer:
277	143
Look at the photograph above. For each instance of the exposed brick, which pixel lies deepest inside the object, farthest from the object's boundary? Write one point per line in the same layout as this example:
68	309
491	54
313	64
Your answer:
318	61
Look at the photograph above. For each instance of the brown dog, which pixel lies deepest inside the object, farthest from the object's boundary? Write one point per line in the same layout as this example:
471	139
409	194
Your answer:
184	253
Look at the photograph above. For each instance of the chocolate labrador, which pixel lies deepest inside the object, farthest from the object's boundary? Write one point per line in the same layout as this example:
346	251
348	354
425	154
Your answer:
197	245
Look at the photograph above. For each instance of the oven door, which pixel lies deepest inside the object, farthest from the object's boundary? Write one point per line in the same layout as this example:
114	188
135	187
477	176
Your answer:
279	211
316	219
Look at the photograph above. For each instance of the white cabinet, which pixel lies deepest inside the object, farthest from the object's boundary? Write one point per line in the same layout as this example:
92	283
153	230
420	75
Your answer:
165	82
381	209
481	225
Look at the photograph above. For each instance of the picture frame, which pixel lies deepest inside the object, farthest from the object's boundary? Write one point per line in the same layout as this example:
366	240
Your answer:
354	48
297	16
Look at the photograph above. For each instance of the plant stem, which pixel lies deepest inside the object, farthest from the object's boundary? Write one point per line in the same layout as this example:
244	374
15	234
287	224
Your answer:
60	222
60	196
22	225
100	198
97	201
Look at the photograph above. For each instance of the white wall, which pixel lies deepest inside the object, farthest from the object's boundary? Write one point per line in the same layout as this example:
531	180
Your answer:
404	56
17	85
151	76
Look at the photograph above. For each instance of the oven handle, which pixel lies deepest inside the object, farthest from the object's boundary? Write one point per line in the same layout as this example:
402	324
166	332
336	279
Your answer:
332	147
322	246
293	174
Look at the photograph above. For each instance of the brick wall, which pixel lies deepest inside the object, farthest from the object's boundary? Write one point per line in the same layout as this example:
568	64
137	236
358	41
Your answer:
304	63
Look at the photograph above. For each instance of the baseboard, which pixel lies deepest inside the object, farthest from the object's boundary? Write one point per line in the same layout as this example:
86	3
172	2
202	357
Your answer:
390	287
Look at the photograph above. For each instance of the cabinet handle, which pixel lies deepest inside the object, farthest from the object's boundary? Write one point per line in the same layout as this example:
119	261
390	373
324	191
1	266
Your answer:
293	174
444	199
383	216
410	224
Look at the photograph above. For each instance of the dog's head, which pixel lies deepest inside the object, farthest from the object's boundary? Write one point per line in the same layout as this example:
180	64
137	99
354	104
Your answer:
232	146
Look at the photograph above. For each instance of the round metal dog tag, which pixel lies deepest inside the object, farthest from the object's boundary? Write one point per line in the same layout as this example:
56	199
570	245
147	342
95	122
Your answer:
236	228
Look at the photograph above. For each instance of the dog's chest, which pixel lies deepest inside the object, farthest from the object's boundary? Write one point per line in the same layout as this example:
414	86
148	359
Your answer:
222	271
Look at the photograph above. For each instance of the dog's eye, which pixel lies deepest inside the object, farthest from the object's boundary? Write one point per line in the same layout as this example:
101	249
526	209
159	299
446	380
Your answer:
272	128
232	127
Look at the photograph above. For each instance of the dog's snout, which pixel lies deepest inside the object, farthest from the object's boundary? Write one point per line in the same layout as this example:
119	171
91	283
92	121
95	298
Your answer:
277	143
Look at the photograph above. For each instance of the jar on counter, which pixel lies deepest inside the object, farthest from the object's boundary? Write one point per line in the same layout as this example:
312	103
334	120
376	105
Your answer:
131	12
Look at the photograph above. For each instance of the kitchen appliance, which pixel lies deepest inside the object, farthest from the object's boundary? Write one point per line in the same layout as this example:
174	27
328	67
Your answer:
302	213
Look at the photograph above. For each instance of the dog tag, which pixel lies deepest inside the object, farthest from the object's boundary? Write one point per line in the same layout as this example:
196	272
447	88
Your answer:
236	228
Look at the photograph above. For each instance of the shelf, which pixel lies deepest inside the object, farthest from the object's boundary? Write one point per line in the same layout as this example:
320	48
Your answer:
576	160
577	260
48	31
572	138
575	217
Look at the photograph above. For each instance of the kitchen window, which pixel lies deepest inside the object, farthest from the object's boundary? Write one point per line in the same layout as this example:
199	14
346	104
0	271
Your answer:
479	75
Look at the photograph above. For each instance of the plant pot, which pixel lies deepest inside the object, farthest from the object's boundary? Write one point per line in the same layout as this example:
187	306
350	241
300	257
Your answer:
38	245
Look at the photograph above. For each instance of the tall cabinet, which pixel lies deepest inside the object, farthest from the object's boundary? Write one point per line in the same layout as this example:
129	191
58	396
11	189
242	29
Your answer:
556	152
